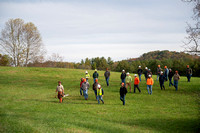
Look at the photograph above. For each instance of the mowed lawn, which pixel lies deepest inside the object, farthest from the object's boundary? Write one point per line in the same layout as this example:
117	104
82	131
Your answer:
28	104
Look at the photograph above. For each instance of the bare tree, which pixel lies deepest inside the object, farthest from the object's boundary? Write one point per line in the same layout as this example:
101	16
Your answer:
21	41
191	44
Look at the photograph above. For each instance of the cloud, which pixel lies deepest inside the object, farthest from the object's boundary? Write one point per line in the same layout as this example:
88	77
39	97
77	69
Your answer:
67	27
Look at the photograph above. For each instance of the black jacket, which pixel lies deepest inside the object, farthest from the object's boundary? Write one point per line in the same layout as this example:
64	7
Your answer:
123	91
139	71
123	75
107	74
171	74
161	78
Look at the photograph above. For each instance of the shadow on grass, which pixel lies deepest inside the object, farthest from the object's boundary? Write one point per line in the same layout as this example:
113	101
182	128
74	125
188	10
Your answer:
163	124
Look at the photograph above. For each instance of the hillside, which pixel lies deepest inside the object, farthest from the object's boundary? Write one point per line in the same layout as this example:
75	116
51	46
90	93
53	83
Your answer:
163	55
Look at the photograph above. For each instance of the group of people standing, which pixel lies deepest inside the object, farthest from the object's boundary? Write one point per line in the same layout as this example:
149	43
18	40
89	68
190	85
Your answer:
98	90
162	75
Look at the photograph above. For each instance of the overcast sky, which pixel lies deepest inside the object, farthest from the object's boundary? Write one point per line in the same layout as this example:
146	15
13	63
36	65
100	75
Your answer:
120	29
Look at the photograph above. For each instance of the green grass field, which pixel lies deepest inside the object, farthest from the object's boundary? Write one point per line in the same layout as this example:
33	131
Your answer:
27	104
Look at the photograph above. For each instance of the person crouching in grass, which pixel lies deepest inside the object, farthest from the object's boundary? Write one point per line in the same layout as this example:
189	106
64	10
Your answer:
60	90
123	92
100	94
149	84
136	83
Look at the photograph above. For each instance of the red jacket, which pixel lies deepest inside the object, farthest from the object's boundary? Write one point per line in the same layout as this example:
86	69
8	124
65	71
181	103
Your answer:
81	83
136	81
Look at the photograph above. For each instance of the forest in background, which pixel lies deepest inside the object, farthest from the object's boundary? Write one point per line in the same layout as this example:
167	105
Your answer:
171	59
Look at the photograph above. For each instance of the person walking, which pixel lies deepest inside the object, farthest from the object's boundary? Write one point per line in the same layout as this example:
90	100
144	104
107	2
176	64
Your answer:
85	86
128	81
87	76
171	74
95	87
139	71
158	72
150	83
60	90
123	92
95	75
123	76
146	73
188	73
136	83
166	73
176	78
162	80
100	94
107	76
82	80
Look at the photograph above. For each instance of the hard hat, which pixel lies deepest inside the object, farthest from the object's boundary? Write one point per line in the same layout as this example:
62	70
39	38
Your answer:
123	70
86	71
135	75
84	80
149	75
139	66
161	72
127	73
96	80
95	70
146	68
99	86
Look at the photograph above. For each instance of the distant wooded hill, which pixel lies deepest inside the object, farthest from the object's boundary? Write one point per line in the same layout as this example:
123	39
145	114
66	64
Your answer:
163	55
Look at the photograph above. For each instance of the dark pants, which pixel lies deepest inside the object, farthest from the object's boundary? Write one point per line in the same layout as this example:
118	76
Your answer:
107	81
122	98
81	91
162	85
188	77
170	82
95	92
136	86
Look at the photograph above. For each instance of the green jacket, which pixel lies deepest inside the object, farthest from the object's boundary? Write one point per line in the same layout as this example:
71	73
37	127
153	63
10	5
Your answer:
128	79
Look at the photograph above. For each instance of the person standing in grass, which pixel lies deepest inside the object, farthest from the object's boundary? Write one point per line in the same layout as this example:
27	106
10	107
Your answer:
123	92
139	71
150	83
188	73
128	81
123	76
171	74
107	76
176	78
85	86
166	73
162	80
100	94
158	72
95	87
95	75
60	90
146	73
87	75
136	83
82	80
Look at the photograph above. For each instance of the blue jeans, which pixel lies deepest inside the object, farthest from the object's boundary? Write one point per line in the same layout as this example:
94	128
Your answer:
123	81
107	81
100	98
122	98
188	77
94	79
95	92
85	93
149	87
170	82
158	75
140	76
81	91
176	84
